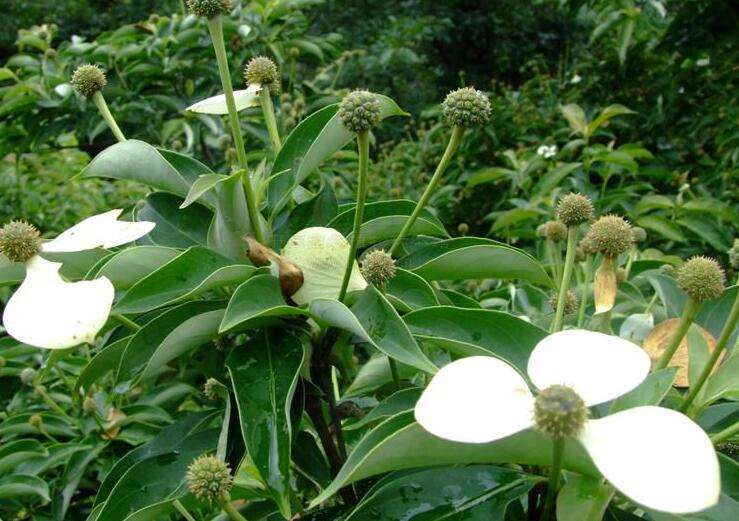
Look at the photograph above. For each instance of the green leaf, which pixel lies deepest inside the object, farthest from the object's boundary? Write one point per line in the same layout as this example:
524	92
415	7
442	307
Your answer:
575	116
388	227
474	258
202	185
14	452
698	354
374	320
400	443
445	493
469	332
174	227
316	211
407	291
106	360
489	174
555	177
713	314
257	302
399	401
264	376
583	498
662	226
606	114
344	222
231	221
627	31
650	392
22	486
724	383
190	274
128	266
11	273
375	373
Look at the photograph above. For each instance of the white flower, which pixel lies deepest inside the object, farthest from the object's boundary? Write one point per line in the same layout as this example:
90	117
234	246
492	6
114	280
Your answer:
321	254
703	62
243	99
655	456
576	79
547	151
48	312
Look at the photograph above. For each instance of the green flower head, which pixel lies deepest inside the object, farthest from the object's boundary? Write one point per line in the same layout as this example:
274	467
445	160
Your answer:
209	8
571	301
19	241
378	267
574	209
209	478
702	278
88	79
555	231
734	255
559	412
263	71
359	111
466	107
610	235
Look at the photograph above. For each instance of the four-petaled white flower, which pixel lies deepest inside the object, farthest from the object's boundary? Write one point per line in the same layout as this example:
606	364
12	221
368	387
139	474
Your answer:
547	152
575	79
655	456
47	311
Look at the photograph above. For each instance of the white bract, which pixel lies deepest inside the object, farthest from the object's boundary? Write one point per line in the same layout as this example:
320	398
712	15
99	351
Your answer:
547	152
243	99
655	456
47	311
321	254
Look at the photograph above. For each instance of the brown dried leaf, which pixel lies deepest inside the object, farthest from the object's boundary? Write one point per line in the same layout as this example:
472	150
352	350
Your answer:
605	286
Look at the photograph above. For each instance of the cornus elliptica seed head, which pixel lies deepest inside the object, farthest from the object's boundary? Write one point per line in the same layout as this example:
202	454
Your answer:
209	478
263	71
28	375
466	107
378	267
559	412
734	255
209	8
210	389
35	421
571	301
555	231
702	278
88	79
360	111
574	209
639	234
19	241
610	235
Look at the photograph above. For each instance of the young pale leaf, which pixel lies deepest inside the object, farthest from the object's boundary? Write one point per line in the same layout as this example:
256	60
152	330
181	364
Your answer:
583	498
246	98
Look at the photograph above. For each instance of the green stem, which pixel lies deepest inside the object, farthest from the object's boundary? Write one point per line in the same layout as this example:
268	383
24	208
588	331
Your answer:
651	303
605	322
268	110
230	510
49	400
725	434
363	148
215	26
394	372
130	324
557	253
689	312
102	106
558	446
630	261
451	147
182	510
718	350
585	291
566	276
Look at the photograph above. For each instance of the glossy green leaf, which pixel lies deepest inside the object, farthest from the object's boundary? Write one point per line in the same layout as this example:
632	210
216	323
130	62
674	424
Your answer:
22	486
128	266
376	373
408	291
174	227
583	498
54	424
387	227
231	221
399	401
650	392
106	360
192	273
555	177
265	374
473	258
344	221
316	211
662	226
14	452
202	185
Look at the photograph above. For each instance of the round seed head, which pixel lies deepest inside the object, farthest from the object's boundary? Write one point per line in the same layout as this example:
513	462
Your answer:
559	412
35	421
734	255
466	107
463	228
541	230
88	79
209	8
28	375
580	254
378	267
639	234
210	389
574	209
702	278
19	241
571	301
209	478
263	71
360	111
610	235
555	231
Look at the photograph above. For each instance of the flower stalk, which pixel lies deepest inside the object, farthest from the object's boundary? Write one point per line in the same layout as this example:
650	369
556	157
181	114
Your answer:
686	319
566	276
227	507
268	109
558	446
102	106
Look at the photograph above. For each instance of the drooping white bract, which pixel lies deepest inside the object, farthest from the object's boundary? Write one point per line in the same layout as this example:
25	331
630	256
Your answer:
243	99
656	456
321	254
47	311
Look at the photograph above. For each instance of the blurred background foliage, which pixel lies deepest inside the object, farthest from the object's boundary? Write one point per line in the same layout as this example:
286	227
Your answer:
662	74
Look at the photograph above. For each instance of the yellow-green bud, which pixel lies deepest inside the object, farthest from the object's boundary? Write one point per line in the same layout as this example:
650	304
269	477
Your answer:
463	228
378	267
28	375
359	111
88	79
734	255
19	241
639	234
263	71
466	107
702	278
555	231
209	478
610	235
559	412
574	209
209	8
571	301
35	421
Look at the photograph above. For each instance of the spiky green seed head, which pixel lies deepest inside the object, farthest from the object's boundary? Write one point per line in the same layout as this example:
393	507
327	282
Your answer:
35	421
610	235
729	448
702	278
28	375
211	388
734	255
262	71
359	111
19	241
559	412
88	79
209	478
580	254
463	228
587	246
555	231
574	209
639	234
209	8
571	301
466	107
378	267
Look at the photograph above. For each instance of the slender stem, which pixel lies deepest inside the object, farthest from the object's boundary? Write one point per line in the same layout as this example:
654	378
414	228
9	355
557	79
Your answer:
230	510
215	26
102	106
630	261
585	291
363	147
182	510
49	400
566	276
689	312
268	110
558	446
605	322
451	147
394	372
557	253
130	324
718	350
651	303
725	434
